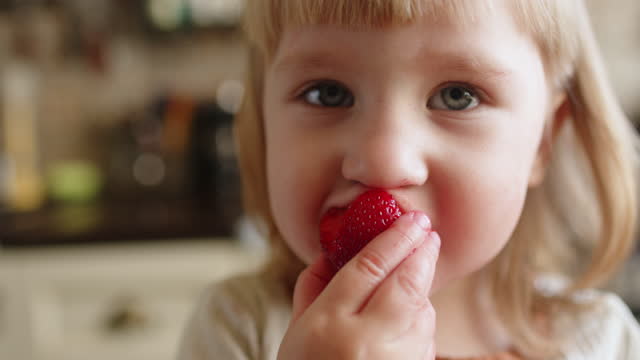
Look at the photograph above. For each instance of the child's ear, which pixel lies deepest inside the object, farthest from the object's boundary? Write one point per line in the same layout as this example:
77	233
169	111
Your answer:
561	110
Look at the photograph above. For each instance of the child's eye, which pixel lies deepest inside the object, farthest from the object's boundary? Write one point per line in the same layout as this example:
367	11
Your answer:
456	98
328	93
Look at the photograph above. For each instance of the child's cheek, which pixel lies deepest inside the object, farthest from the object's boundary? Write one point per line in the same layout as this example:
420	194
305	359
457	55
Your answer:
294	194
475	219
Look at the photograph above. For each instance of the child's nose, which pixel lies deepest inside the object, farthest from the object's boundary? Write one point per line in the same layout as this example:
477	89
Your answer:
385	156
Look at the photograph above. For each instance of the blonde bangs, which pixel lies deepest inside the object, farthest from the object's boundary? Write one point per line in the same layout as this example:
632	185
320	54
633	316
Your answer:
550	23
266	20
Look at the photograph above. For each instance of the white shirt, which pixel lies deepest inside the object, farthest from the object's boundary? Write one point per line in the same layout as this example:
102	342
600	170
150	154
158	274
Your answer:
246	317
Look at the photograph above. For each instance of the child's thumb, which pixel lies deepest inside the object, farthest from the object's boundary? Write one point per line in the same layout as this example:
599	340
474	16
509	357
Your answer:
310	284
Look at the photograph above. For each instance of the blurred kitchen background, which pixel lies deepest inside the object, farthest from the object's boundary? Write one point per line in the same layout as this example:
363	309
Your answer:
119	188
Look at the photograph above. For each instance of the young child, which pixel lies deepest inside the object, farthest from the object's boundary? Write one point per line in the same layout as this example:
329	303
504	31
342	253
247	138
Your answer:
494	119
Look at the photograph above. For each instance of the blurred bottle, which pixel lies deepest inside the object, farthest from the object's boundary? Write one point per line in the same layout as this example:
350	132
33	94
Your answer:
20	87
214	175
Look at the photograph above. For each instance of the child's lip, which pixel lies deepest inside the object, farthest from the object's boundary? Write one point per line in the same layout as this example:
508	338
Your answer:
403	202
343	203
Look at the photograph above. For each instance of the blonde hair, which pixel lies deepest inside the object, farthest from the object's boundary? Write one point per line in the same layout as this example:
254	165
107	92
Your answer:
587	200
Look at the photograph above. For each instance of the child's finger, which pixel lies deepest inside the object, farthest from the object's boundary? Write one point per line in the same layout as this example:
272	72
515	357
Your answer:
423	332
406	290
431	353
310	284
357	280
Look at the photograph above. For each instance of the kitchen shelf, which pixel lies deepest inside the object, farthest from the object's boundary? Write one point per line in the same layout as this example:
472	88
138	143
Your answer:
114	222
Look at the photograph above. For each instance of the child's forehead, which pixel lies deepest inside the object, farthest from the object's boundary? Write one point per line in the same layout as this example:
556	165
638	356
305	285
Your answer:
418	46
462	44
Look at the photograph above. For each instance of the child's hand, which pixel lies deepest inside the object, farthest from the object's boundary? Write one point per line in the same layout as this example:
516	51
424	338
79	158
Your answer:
377	305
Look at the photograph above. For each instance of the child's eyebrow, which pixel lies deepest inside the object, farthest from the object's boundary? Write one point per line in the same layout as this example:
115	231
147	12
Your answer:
484	68
478	66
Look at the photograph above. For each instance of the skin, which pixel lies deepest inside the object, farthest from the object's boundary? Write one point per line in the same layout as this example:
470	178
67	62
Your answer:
467	169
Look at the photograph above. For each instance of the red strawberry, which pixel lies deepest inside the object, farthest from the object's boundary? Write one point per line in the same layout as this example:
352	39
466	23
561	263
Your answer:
344	232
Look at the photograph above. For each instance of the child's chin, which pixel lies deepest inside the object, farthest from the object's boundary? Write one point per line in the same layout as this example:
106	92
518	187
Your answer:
310	257
435	288
441	284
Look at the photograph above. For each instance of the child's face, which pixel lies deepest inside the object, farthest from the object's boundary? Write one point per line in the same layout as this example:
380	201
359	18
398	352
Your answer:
447	119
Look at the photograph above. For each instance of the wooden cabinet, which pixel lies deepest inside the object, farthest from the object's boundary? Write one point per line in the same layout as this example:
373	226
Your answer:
107	302
4	321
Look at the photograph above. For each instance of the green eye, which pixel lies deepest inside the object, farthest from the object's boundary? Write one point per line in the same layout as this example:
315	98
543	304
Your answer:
329	94
455	98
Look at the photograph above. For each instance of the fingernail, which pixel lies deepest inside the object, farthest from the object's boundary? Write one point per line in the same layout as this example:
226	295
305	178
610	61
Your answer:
421	220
